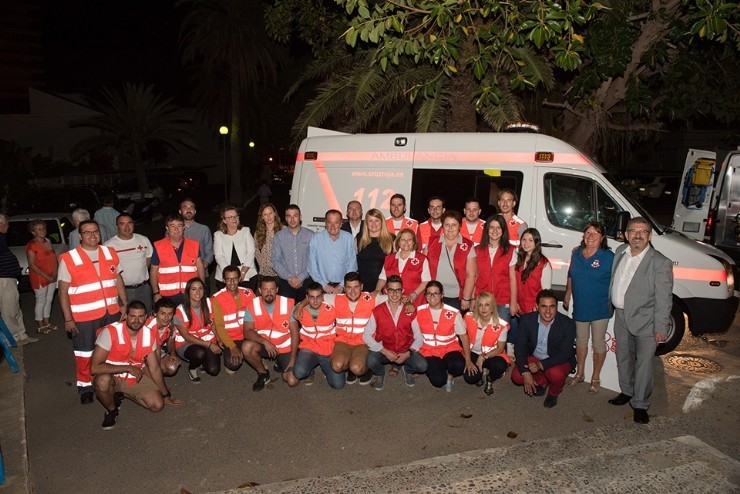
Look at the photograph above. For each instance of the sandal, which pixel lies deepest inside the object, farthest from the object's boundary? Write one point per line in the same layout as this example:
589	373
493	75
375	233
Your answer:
575	380
594	389
393	372
44	329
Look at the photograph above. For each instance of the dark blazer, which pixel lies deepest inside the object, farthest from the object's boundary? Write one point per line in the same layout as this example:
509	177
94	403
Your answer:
346	227
561	341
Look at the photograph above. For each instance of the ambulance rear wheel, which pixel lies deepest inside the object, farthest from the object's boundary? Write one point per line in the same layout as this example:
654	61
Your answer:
675	331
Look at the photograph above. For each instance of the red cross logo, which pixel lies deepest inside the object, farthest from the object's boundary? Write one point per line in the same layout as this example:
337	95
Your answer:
463	246
367	297
449	314
112	269
414	261
285	324
140	247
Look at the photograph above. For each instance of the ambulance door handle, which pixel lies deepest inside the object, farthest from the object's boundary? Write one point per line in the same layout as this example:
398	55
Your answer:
552	245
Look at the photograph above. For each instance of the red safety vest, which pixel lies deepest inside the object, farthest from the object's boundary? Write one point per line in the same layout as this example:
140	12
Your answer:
120	349
427	233
513	226
409	223
477	234
411	274
396	337
459	260
351	325
318	335
439	338
174	274
275	329
199	329
233	316
494	279
526	292
162	337
92	295
491	334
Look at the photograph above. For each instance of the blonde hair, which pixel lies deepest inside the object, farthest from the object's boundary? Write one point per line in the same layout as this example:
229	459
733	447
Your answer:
397	242
221	226
494	311
385	239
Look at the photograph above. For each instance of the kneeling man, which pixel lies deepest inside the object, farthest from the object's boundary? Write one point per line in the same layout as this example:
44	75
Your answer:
125	364
545	349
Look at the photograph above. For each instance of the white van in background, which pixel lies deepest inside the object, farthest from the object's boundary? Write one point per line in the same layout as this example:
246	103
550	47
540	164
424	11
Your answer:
708	201
559	189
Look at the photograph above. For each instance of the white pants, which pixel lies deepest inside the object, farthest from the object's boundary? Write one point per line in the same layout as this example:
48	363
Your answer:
44	298
10	308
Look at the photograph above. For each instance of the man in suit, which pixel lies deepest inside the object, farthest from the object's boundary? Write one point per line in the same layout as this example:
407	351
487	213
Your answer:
545	349
641	293
354	221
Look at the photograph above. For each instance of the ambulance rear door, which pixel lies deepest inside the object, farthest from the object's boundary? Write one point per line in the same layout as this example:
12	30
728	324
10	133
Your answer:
727	227
695	193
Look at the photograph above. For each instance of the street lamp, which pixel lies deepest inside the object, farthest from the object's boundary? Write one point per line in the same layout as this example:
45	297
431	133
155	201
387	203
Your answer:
224	131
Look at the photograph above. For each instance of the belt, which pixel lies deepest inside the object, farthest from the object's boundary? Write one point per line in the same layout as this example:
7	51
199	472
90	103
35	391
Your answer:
131	287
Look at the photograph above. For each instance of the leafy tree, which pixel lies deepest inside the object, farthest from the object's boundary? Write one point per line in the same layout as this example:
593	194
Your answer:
131	120
225	42
600	64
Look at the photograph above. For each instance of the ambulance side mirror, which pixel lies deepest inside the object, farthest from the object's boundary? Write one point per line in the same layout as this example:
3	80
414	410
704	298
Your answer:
623	218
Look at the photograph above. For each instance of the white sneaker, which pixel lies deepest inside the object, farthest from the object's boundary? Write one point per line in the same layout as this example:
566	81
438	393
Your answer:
27	340
449	386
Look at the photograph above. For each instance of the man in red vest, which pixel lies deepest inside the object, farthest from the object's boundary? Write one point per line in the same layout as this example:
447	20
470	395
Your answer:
161	322
397	220
175	261
391	339
125	364
432	227
90	286
506	203
229	306
270	332
472	225
318	334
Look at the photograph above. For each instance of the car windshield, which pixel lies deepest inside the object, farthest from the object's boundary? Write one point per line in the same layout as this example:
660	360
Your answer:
616	181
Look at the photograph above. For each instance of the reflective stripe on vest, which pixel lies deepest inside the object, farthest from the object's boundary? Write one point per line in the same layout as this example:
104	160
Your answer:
92	293
275	329
233	317
351	324
439	336
120	350
173	275
203	332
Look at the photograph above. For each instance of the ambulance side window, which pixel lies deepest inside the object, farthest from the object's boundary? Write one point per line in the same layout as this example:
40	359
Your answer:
571	202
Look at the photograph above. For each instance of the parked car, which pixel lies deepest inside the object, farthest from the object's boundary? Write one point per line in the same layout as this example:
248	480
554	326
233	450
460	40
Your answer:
62	198
58	228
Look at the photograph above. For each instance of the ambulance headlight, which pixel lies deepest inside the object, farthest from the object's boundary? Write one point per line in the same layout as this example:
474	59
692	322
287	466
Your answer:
729	269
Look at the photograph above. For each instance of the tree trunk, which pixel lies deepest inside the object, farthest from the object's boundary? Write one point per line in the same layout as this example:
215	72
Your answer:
235	144
462	117
581	130
141	180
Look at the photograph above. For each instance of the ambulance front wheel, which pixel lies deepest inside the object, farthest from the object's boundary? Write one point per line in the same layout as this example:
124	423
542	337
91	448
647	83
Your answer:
675	331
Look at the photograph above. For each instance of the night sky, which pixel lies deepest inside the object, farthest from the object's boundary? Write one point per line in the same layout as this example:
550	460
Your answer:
92	43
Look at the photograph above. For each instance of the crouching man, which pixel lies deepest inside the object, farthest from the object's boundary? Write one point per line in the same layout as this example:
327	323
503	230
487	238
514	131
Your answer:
125	364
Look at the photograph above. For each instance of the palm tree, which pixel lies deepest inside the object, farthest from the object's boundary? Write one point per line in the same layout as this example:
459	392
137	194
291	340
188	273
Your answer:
129	121
226	43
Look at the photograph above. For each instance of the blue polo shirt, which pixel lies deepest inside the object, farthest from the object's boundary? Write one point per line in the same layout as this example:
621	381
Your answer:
590	280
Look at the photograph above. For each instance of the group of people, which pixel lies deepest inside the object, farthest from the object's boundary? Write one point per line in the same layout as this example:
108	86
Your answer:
452	296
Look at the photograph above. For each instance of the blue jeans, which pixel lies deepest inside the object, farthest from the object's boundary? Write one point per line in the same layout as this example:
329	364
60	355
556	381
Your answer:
415	364
306	361
504	312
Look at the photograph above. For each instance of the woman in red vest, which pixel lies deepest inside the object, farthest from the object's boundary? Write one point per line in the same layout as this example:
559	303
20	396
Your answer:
452	262
412	266
443	330
195	340
496	261
534	274
487	333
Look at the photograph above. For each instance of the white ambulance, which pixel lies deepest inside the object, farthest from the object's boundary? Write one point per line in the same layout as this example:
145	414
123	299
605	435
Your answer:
559	189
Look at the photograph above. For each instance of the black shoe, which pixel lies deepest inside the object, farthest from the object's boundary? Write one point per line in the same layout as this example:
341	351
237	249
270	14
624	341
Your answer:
620	399
276	368
641	416
366	378
118	399
87	398
262	379
489	386
479	383
550	401
351	377
109	421
540	390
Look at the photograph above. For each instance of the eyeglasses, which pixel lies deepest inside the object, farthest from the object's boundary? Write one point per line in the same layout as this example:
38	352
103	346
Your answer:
395	290
639	232
231	217
89	234
433	294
